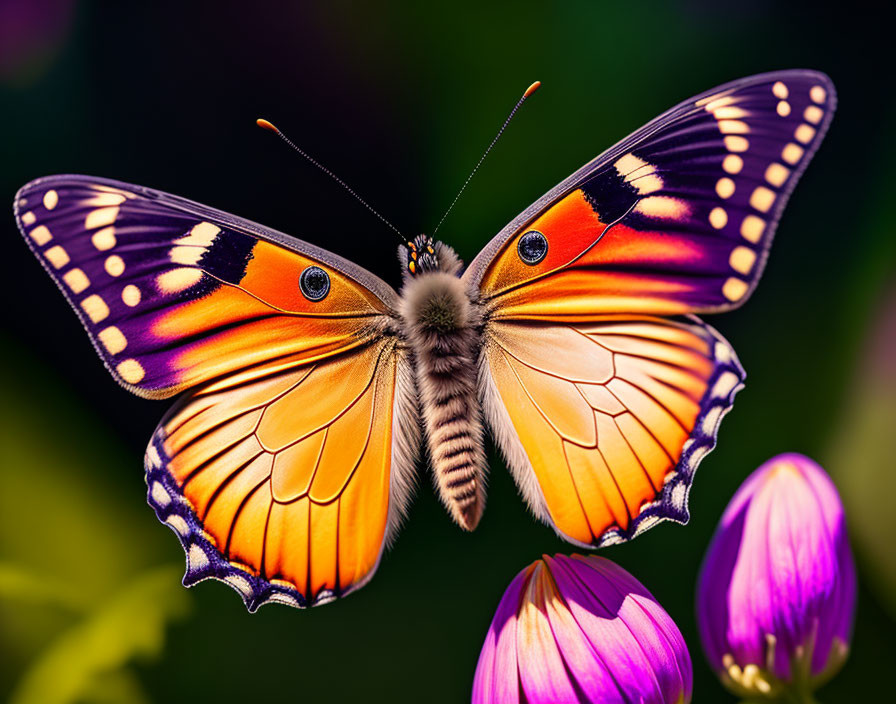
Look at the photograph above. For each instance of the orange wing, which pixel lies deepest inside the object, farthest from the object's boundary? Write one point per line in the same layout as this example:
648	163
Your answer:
604	423
174	293
287	486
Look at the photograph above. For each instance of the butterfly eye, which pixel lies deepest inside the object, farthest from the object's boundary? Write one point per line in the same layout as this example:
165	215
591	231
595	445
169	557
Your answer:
533	246
315	283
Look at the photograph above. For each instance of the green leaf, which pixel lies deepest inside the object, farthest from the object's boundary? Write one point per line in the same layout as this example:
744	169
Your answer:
130	625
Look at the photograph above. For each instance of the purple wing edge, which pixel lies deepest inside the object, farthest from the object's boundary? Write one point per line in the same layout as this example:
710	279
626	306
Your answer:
672	503
203	560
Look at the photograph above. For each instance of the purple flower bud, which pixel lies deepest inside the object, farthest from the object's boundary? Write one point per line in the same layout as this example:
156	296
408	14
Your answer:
581	629
777	589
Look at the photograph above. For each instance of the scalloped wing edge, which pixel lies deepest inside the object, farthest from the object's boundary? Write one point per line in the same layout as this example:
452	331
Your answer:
672	503
203	561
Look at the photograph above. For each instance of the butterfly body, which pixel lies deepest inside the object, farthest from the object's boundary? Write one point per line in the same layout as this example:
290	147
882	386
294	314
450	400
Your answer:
309	386
443	326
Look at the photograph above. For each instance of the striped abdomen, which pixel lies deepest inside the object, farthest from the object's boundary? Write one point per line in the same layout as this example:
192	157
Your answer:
441	325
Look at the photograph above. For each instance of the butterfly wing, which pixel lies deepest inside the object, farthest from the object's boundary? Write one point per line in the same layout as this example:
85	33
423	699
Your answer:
287	466
603	407
288	486
603	423
173	293
677	218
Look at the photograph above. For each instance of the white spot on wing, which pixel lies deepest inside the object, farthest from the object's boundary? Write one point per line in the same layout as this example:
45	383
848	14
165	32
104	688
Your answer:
160	495
196	558
179	525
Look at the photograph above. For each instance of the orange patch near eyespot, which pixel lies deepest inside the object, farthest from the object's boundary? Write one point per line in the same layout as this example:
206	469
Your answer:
575	294
272	275
570	226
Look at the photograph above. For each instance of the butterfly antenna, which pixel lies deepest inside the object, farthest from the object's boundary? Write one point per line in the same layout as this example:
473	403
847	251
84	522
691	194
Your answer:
264	124
529	91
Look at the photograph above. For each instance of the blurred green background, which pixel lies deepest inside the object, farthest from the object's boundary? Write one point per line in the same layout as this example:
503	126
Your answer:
400	99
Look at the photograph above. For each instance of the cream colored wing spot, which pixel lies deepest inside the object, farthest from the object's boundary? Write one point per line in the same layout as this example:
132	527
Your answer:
776	174
186	255
742	259
725	187
804	133
51	199
57	256
178	280
28	218
813	114
105	199
792	153
178	524
733	127
783	108
752	228
200	235
131	371
714	102
104	239
734	289
780	90
732	164
130	295
718	218
639	173
41	235
762	199
662	207
101	217
152	454
729	112
190	248
96	308
112	339
114	265
76	280
735	143
160	495
196	558
818	94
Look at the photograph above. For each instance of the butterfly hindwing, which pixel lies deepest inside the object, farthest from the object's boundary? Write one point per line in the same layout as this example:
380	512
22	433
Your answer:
675	219
602	408
174	293
604	423
288	487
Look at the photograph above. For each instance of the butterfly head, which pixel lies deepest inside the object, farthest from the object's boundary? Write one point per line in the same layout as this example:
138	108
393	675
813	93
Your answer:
423	254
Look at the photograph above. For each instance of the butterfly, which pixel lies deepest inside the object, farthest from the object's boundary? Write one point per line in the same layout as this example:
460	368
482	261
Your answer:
310	387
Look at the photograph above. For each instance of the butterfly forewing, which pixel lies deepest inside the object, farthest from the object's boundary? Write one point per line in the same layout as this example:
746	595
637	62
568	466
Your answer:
677	218
173	293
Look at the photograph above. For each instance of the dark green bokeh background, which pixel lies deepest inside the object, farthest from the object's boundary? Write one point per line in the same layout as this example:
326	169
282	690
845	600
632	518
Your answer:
400	99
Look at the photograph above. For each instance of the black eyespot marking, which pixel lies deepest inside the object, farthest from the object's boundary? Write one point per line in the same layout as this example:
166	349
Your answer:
315	283
532	247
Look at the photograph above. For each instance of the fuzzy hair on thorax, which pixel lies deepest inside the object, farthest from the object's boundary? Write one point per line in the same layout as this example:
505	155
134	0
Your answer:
442	328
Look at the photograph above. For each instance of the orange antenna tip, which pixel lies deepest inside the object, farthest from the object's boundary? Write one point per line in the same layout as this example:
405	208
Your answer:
265	125
531	89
